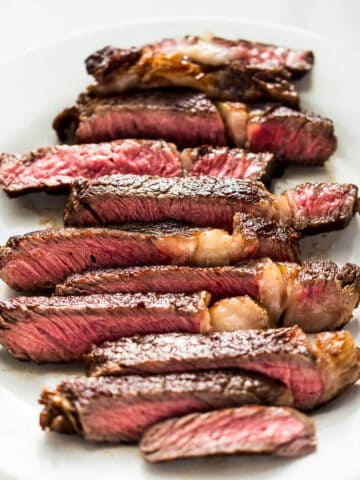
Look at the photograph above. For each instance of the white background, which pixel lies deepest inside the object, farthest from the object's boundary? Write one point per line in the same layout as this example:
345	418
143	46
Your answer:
27	24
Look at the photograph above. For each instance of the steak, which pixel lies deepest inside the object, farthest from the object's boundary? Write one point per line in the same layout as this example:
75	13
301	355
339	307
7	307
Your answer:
189	119
59	329
316	295
184	117
250	429
314	373
225	69
228	162
55	168
121	409
207	201
292	136
41	259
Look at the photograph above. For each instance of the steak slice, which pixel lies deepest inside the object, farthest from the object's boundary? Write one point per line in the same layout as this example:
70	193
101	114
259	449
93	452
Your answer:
59	329
316	295
184	117
44	258
225	69
293	136
55	168
228	162
250	429
121	409
314	373
207	201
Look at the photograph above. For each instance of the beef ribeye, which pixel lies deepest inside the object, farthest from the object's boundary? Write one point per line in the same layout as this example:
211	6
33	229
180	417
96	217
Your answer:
115	409
225	69
315	373
273	430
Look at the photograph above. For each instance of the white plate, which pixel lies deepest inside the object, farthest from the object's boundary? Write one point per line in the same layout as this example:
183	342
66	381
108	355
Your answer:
33	89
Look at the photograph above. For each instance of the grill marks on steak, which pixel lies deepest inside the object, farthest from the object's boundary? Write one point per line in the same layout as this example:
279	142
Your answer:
310	207
42	259
55	168
121	409
314	373
316	295
184	117
249	429
292	136
225	69
60	329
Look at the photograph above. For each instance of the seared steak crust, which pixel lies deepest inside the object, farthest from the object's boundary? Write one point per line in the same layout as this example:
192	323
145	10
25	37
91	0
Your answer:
184	117
58	329
43	259
316	295
309	207
272	430
224	69
78	403
314	374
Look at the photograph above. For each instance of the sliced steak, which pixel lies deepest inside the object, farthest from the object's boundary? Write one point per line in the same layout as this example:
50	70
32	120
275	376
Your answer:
225	69
121	409
59	329
207	201
316	296
55	168
296	137
293	136
228	162
184	117
44	258
314	373
250	429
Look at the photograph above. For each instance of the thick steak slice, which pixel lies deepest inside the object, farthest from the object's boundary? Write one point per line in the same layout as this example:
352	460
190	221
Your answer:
59	329
250	429
225	69
228	162
316	295
207	201
293	136
204	201
121	409
55	168
184	117
314	373
44	258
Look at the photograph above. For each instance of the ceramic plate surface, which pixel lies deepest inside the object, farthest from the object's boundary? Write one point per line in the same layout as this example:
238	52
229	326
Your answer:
36	86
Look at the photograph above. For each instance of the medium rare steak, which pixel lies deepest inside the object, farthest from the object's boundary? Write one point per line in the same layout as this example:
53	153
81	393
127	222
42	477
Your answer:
59	329
184	117
228	162
44	258
316	295
121	409
292	136
55	168
314	373
207	201
273	430
225	69
190	119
